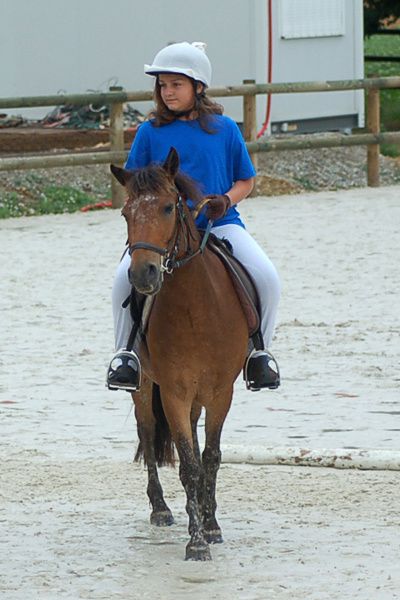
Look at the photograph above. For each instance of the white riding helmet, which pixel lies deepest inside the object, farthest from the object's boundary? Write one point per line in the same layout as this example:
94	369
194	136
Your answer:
188	59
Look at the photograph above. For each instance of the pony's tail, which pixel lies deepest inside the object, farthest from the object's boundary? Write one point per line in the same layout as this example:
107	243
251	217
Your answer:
163	444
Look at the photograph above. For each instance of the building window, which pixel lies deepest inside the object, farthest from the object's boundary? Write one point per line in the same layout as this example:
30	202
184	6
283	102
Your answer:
312	18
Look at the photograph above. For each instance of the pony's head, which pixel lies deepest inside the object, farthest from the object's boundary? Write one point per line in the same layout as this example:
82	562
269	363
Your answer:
156	213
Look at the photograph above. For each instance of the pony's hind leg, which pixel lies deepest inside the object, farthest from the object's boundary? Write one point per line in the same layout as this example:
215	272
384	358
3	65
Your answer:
194	417
146	426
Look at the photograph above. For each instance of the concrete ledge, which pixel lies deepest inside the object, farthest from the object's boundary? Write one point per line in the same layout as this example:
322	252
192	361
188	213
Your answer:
340	458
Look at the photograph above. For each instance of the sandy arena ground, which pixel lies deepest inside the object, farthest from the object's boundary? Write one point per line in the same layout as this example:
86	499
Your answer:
73	510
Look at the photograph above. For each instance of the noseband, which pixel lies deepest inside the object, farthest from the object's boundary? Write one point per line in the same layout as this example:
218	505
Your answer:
170	262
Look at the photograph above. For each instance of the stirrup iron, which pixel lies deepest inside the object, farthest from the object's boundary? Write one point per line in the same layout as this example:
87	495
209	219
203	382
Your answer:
124	372
261	371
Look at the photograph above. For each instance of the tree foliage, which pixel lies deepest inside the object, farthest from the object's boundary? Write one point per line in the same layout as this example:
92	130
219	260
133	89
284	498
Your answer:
379	13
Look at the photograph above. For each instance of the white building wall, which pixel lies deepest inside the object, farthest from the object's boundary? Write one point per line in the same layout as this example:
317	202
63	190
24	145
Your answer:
49	46
318	56
80	45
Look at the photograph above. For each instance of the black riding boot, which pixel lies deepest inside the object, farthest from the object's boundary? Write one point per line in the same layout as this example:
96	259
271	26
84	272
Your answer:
124	372
261	371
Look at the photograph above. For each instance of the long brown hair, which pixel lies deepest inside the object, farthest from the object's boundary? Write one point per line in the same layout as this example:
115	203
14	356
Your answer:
203	106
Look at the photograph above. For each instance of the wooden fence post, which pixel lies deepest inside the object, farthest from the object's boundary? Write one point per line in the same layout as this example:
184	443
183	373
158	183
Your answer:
116	145
373	124
250	120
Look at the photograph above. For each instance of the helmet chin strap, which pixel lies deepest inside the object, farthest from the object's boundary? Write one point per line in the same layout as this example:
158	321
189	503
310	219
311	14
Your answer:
183	113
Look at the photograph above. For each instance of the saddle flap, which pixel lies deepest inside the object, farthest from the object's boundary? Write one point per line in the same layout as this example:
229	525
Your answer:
242	282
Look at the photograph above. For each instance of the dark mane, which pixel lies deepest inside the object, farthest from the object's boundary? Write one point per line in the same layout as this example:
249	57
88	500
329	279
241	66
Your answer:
154	178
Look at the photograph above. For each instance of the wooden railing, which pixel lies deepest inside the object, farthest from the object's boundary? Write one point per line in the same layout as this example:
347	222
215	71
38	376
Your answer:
116	97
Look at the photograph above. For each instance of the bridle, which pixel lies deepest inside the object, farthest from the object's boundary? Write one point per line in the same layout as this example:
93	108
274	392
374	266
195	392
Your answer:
170	261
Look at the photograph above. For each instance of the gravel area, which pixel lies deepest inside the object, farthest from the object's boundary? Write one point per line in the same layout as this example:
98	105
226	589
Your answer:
279	173
321	169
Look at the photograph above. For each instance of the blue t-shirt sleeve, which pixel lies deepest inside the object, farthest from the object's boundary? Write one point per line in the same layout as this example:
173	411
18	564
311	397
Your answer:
242	166
139	155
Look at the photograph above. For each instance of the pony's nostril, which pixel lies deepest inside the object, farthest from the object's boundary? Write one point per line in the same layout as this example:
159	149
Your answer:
153	270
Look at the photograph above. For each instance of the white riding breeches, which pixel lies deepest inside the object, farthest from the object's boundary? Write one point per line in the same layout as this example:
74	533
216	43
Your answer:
245	249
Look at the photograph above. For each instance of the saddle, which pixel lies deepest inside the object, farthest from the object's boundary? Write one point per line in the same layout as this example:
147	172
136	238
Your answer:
140	305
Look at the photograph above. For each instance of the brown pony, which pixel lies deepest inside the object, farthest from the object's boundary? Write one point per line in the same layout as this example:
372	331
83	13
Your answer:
195	345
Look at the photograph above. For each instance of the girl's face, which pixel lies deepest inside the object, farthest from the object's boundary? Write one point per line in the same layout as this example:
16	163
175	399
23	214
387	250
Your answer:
177	91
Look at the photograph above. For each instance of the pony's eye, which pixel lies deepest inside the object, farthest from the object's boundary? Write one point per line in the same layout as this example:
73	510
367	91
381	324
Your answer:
169	209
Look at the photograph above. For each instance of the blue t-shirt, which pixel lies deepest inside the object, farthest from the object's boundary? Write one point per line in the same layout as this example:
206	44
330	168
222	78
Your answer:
214	160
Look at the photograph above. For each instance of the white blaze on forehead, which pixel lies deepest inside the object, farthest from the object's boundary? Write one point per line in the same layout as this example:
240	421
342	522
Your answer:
148	198
137	207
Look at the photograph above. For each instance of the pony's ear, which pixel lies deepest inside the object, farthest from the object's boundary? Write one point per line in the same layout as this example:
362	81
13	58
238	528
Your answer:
171	164
120	174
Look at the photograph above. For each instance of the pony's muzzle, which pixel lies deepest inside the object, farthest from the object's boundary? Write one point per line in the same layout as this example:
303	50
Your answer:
146	278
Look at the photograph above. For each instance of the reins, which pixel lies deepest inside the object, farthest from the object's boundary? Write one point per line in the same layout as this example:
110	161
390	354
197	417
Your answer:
170	262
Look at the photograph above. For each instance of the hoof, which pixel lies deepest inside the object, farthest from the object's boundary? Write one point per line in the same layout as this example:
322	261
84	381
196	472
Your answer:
198	552
162	518
214	536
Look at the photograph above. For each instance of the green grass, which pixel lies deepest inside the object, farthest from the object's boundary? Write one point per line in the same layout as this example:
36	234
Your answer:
386	45
52	200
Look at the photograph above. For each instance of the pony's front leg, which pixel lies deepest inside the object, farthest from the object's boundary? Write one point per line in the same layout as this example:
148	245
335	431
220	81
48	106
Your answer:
146	427
189	472
215	417
211	463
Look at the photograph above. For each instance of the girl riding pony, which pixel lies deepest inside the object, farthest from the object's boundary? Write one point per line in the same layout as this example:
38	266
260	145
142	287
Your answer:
212	151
